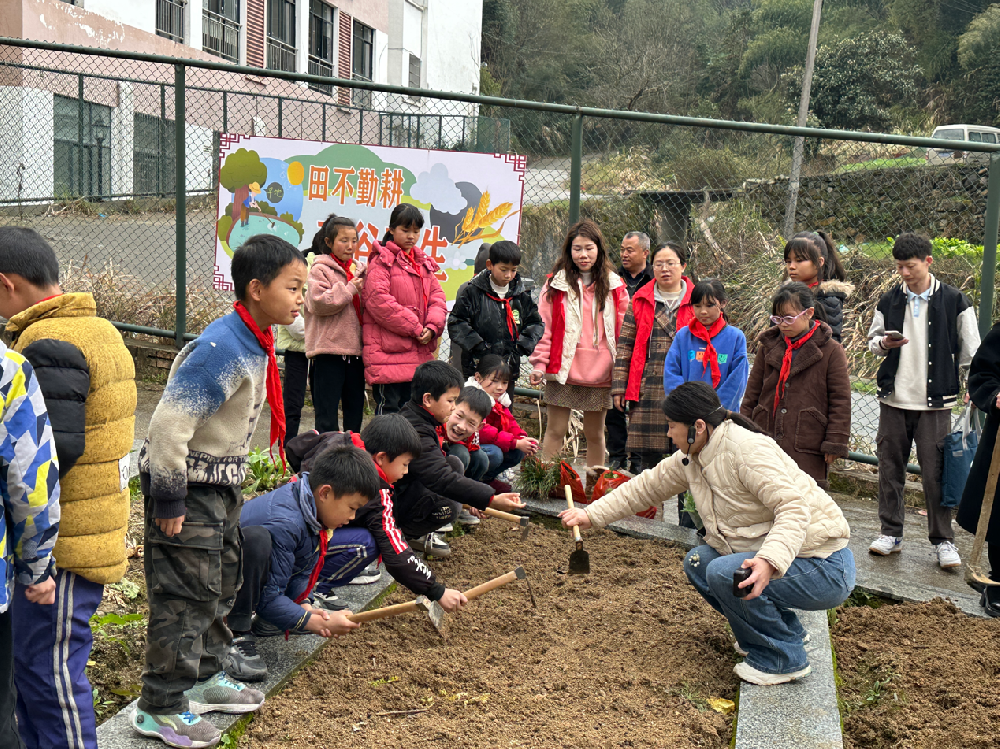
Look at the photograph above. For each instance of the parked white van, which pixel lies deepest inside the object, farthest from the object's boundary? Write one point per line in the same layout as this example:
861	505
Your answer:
973	133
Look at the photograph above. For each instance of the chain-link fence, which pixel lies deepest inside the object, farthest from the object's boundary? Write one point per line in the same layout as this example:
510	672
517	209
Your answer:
92	144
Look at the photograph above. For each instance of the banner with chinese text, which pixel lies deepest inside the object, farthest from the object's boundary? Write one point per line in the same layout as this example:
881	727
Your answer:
288	188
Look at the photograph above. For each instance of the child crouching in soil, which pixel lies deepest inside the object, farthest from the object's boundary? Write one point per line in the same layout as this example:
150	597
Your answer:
761	512
286	538
460	438
191	470
503	441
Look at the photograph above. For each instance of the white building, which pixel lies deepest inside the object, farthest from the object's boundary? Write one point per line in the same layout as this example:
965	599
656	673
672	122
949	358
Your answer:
87	132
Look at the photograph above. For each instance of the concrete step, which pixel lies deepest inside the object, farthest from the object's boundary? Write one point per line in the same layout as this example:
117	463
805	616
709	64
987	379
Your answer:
284	658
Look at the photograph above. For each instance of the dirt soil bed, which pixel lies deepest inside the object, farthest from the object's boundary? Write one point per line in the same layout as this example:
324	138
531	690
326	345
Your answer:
625	657
918	675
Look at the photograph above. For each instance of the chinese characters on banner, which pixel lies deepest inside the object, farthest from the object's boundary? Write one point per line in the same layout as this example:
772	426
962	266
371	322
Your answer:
466	198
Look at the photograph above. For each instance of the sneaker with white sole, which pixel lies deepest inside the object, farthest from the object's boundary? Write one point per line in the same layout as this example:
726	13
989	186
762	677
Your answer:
948	556
467	518
445	528
764	679
221	694
886	545
327	602
184	730
431	545
367	576
244	662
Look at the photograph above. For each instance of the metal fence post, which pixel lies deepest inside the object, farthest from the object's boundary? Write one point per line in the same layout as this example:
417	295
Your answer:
225	111
575	169
990	247
79	138
280	118
180	208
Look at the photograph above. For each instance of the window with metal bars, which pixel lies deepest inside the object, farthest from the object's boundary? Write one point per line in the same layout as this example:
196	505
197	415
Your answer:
154	169
170	19
281	35
321	42
414	71
81	148
362	63
220	28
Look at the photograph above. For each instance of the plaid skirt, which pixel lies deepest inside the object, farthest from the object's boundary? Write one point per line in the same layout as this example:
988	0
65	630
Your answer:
580	397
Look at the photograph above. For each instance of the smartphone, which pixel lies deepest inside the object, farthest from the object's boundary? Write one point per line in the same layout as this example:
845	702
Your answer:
738	577
893	335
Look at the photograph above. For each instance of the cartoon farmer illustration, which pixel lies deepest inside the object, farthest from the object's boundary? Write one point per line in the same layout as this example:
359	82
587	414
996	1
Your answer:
249	202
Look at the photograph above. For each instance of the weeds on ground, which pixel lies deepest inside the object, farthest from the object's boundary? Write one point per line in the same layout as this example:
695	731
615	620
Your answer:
263	474
875	687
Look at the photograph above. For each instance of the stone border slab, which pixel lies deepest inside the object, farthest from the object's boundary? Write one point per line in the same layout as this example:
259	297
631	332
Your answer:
283	657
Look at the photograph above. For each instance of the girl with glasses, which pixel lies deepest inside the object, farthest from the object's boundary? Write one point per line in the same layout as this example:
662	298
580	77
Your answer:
658	310
799	391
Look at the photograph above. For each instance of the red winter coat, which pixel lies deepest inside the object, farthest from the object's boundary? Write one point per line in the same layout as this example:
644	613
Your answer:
501	429
398	304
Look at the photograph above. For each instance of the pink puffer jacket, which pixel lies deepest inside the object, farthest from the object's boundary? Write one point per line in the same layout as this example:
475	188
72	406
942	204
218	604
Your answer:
332	325
398	303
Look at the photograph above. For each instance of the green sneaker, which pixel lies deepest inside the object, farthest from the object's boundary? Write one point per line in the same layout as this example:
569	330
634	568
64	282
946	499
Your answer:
222	694
184	730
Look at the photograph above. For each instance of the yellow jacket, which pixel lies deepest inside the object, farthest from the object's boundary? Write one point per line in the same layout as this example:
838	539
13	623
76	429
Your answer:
79	357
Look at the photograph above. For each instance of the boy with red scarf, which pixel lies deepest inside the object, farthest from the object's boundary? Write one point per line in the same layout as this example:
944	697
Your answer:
333	327
709	348
191	469
799	392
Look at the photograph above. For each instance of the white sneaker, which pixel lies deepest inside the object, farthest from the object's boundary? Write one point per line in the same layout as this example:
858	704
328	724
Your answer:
367	576
751	674
445	528
467	518
886	545
948	555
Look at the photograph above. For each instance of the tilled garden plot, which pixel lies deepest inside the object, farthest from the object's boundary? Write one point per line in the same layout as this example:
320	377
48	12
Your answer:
918	675
625	657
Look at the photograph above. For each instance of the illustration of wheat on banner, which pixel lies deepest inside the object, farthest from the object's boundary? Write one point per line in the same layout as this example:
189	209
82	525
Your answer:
478	221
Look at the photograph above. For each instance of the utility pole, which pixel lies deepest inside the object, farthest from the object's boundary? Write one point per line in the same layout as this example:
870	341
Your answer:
793	180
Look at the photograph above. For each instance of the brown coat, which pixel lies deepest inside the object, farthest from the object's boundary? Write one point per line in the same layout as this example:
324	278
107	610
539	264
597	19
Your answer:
814	417
647	426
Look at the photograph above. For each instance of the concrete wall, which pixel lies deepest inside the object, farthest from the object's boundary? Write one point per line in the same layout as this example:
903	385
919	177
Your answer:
27	125
454	36
139	14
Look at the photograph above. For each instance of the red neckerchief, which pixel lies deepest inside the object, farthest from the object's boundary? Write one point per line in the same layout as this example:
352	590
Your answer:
381	473
814	284
273	380
324	541
48	297
505	301
786	364
711	358
346	267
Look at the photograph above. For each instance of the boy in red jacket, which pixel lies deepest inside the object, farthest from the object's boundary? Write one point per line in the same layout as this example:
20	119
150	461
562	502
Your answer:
501	437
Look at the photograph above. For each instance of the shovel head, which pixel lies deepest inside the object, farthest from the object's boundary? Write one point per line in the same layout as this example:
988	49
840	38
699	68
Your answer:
579	561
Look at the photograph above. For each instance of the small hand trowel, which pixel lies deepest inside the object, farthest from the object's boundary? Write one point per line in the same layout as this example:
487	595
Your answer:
579	560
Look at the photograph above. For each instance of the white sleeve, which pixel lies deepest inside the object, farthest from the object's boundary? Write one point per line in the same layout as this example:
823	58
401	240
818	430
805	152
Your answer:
875	335
968	336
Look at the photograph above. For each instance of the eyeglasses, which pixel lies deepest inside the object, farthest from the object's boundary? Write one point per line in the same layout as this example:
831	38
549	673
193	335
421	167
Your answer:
787	319
671	264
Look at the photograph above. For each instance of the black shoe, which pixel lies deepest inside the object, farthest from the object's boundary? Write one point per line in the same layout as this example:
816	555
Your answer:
990	600
635	468
618	464
243	661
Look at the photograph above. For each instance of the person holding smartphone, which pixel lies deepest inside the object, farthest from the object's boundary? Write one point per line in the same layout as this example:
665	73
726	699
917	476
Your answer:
762	514
926	333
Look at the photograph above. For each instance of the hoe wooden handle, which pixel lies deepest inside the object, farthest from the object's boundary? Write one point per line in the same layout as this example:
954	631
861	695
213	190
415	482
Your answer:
503	515
384	613
486	587
569	503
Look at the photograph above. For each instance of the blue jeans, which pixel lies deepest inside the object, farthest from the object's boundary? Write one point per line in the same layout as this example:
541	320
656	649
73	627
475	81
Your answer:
500	461
766	627
474	463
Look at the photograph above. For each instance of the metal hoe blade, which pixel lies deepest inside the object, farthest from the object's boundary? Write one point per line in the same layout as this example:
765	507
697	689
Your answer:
579	561
435	613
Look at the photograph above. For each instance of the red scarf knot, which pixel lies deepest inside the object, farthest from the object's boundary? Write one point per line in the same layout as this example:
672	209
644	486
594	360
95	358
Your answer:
273	382
786	364
505	301
711	356
346	267
324	542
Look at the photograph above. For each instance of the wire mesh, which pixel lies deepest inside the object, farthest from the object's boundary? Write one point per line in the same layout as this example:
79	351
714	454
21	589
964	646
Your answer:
88	152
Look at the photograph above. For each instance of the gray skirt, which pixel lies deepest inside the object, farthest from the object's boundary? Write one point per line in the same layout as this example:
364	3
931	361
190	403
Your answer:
580	397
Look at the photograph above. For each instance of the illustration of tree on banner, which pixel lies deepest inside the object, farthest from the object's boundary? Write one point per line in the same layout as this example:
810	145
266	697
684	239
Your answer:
478	221
239	171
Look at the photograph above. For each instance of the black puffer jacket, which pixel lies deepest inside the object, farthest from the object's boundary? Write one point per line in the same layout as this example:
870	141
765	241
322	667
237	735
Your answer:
478	324
376	517
832	295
